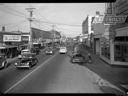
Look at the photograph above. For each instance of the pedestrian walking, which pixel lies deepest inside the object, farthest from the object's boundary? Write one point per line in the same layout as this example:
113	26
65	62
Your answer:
89	58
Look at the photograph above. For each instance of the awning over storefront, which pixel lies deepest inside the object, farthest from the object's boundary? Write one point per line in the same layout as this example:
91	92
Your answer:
122	31
5	46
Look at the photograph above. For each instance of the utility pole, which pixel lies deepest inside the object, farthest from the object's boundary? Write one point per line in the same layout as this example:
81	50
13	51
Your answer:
53	33
30	21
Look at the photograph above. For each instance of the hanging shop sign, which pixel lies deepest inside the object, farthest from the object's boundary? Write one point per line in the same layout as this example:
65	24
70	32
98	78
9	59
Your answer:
113	19
110	19
15	38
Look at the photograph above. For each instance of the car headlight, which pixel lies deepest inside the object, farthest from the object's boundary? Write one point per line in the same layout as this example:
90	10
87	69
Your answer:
27	63
16	64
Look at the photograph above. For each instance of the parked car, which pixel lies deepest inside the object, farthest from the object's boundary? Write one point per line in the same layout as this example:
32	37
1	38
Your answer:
77	58
27	60
49	51
63	50
3	61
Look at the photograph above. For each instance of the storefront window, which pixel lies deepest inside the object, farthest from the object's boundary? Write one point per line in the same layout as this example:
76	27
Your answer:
121	49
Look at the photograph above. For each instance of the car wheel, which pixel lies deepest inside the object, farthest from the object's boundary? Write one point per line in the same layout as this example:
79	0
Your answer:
36	61
30	65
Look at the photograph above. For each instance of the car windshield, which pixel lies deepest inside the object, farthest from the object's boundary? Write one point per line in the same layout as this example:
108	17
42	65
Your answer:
25	60
63	47
78	55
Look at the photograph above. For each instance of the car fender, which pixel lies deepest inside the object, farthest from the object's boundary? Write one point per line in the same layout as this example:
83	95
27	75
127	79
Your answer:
3	63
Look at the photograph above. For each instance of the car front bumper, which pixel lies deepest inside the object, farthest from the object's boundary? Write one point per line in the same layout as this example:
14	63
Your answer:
22	66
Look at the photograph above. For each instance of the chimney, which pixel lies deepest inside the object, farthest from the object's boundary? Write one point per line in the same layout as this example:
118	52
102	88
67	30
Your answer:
3	28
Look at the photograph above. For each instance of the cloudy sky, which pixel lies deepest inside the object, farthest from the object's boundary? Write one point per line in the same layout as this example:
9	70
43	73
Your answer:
67	17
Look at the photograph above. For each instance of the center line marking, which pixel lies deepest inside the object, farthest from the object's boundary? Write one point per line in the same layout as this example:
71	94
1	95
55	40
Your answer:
30	73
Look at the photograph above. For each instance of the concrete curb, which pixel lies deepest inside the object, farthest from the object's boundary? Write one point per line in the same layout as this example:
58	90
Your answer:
104	84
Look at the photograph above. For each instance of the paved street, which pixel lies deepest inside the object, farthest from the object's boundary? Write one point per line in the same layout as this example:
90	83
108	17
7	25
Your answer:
54	75
11	75
116	75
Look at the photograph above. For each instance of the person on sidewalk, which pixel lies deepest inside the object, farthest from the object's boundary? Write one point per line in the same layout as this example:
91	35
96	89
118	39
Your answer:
89	58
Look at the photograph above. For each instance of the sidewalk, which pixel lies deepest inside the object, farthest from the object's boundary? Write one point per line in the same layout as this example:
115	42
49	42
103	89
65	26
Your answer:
116	75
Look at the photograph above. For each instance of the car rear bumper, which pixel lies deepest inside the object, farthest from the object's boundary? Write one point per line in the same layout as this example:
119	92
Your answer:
49	52
62	52
77	61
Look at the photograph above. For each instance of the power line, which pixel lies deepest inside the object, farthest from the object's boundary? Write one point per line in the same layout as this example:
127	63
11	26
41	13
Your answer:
58	27
53	23
8	12
66	29
41	23
16	25
58	23
14	10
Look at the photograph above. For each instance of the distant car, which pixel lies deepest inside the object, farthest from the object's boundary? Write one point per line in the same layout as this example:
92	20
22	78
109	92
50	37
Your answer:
63	50
35	50
27	60
77	58
49	51
3	61
25	51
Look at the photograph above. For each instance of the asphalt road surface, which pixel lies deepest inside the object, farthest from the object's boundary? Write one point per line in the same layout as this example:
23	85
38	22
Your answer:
54	74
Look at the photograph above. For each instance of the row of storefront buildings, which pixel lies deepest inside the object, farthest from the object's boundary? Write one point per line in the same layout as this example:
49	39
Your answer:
12	41
107	33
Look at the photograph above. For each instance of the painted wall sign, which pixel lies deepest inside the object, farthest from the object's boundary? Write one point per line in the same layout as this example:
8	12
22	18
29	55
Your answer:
113	19
15	38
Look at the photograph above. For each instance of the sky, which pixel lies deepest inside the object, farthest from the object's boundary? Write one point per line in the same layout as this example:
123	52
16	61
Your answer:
67	18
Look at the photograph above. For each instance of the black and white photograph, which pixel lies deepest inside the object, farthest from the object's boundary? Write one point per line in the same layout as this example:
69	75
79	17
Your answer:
64	48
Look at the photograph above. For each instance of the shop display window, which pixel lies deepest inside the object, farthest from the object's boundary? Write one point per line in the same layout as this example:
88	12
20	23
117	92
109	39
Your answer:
121	49
121	52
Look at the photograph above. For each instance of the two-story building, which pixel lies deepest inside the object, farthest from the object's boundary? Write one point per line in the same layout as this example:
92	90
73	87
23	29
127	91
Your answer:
87	30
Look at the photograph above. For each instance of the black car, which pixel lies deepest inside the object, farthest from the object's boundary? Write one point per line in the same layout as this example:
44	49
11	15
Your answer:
27	60
77	58
3	61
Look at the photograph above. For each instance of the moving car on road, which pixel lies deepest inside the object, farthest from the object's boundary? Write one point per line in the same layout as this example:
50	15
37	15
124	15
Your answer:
25	51
49	51
63	50
3	61
77	58
27	60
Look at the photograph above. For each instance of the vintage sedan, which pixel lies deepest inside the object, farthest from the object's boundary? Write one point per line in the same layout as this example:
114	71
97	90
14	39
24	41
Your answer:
27	60
77	58
63	50
49	51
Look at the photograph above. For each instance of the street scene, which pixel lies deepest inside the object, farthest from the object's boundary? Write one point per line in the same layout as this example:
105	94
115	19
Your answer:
64	48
